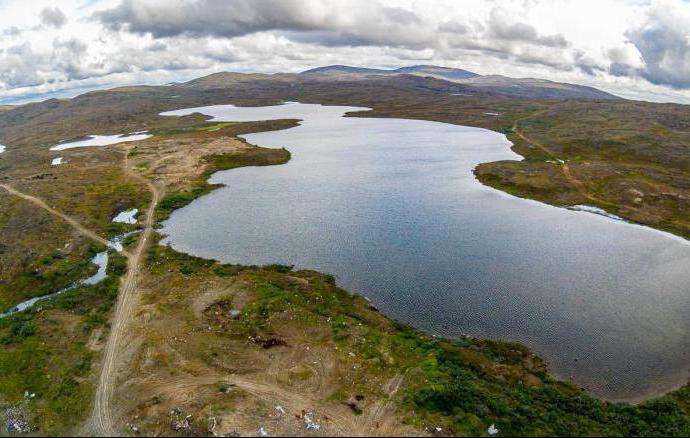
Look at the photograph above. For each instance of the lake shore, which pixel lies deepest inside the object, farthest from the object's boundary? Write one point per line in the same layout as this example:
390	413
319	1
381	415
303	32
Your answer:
497	383
482	314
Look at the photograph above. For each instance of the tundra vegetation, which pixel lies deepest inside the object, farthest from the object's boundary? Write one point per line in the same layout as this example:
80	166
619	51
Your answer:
218	348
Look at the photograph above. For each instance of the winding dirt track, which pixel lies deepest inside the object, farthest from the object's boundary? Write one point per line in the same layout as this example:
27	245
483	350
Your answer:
101	422
42	204
579	185
565	168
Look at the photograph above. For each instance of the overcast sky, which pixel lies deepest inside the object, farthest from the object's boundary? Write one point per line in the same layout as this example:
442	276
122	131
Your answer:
634	48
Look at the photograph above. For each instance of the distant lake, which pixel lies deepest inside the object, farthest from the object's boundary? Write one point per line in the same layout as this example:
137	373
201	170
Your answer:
391	207
100	140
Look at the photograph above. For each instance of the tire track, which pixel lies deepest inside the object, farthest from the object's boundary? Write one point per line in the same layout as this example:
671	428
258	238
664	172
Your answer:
101	422
71	221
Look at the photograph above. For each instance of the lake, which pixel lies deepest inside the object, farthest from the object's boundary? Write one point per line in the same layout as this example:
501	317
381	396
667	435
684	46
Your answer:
100	140
392	209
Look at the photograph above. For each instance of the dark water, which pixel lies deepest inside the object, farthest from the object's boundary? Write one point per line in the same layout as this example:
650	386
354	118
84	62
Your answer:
391	207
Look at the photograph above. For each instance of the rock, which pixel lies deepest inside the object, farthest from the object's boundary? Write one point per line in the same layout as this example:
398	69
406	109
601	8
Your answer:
16	420
179	422
355	405
310	424
296	280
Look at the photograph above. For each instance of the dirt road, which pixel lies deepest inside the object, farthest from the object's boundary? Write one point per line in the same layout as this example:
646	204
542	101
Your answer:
565	168
72	222
101	422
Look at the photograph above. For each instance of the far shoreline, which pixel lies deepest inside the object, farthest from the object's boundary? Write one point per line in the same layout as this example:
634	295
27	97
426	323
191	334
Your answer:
361	113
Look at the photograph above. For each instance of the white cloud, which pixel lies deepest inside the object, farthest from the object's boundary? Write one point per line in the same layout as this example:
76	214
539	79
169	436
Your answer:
663	41
636	48
53	17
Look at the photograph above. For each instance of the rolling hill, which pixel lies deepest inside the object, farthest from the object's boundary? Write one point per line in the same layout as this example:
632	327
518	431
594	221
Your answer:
524	88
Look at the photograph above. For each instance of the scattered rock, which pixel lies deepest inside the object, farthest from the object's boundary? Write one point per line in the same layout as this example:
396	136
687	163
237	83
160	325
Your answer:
636	193
17	420
269	343
181	423
296	280
312	425
439	431
212	423
355	405
309	422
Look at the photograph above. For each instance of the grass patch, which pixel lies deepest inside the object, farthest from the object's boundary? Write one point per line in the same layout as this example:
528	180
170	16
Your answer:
50	273
470	399
44	353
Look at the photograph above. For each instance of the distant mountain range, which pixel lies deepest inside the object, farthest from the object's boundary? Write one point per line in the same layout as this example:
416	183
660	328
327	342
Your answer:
449	74
526	88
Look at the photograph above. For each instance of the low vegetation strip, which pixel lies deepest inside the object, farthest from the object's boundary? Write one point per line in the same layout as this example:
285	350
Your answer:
47	354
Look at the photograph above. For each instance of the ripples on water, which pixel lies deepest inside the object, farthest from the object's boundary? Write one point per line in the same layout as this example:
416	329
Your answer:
392	208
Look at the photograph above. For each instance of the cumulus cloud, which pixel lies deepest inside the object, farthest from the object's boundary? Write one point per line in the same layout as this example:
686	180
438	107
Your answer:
454	27
22	65
663	41
11	31
500	35
53	17
18	66
501	26
355	22
349	23
629	44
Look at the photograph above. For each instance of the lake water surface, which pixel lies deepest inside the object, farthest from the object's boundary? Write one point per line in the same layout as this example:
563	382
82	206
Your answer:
391	207
127	216
100	140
